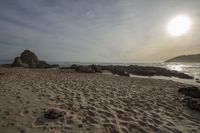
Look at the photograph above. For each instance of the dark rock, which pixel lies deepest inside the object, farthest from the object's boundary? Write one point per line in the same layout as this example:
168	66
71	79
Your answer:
185	99
144	71
194	104
1	74
29	58
96	68
197	80
54	114
85	69
6	65
22	131
55	66
18	63
74	66
42	64
193	92
64	67
120	73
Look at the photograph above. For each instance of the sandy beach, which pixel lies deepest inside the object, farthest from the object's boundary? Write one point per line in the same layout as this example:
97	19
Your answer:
92	103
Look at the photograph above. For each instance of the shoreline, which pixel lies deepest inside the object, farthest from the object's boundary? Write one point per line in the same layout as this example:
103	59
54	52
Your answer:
175	79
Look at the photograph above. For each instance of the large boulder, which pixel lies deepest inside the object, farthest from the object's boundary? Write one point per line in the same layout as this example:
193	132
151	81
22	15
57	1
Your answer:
29	58
193	92
18	63
191	97
74	66
194	104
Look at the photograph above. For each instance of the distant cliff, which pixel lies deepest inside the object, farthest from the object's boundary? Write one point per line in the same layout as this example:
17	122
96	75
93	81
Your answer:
185	58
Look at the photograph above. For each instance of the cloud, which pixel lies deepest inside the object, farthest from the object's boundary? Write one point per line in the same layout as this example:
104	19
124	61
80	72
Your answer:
106	30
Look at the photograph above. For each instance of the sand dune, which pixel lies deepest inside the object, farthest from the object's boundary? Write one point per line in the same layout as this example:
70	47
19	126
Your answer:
93	103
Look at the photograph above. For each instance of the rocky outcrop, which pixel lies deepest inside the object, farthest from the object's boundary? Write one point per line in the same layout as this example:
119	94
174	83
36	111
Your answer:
44	64
191	97
6	65
96	68
193	92
30	60
87	69
18	63
194	104
144	71
127	70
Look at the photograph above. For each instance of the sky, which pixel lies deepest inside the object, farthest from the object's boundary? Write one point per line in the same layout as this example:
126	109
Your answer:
97	30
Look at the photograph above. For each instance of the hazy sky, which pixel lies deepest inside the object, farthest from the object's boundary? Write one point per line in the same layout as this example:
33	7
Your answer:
97	30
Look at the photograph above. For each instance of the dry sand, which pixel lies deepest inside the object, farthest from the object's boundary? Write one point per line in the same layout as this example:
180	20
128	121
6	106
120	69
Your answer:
94	103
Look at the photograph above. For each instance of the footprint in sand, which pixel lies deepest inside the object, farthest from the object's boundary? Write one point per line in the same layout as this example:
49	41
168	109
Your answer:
7	113
1	74
24	112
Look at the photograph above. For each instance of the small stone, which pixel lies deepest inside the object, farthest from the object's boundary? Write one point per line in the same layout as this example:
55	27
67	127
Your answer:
22	131
54	114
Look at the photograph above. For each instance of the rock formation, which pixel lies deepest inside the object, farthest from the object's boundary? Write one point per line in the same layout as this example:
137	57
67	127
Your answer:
193	92
191	97
87	69
28	59
144	71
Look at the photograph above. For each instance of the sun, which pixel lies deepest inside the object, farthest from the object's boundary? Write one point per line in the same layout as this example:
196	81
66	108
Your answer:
179	25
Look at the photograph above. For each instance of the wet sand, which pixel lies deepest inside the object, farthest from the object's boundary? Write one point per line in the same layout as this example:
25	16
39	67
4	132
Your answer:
99	103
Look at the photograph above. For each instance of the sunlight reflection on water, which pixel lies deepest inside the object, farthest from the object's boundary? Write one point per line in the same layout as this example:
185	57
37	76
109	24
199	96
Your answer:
192	69
177	67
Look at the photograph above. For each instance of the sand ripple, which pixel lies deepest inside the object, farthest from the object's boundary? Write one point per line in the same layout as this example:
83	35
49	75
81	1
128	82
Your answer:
92	102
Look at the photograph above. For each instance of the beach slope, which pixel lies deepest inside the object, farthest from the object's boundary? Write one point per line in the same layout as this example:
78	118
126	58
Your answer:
91	103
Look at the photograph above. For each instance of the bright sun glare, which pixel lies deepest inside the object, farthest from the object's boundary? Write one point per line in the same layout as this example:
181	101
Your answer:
179	25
